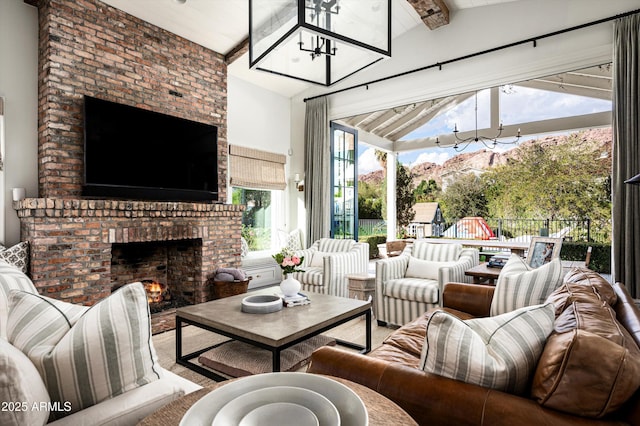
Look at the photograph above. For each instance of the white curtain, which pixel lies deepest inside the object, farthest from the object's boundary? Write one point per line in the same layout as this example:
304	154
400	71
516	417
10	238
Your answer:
317	169
626	153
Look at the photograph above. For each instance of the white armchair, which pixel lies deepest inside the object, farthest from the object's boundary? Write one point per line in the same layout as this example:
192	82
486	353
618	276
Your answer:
412	283
328	261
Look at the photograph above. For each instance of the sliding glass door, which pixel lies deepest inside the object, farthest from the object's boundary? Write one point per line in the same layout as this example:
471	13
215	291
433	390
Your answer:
344	182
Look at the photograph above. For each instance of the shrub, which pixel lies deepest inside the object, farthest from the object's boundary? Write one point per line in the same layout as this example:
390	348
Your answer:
373	241
600	254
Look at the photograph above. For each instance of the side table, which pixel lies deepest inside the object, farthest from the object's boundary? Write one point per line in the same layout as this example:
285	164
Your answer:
363	287
483	274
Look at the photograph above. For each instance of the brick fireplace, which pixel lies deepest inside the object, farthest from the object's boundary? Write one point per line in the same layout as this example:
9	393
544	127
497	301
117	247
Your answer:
90	48
73	244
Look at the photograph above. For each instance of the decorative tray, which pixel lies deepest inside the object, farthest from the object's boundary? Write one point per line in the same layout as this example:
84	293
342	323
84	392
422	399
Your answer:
261	304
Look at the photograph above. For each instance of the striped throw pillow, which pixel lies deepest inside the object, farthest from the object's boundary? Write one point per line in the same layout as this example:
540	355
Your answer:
436	252
519	285
498	352
11	279
87	356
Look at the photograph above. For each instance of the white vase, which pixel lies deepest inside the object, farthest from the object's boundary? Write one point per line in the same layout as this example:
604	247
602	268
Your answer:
290	286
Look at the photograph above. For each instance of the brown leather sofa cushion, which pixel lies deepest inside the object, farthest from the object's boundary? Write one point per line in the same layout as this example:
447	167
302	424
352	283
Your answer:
590	365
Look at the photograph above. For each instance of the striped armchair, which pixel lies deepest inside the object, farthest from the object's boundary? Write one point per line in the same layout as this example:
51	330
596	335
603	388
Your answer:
328	261
412	283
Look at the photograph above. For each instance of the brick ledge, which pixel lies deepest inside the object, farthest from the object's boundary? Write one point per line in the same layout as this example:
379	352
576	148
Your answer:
68	207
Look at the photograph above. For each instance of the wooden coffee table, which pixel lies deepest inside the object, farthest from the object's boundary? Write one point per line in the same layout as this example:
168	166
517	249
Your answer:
483	274
275	331
381	410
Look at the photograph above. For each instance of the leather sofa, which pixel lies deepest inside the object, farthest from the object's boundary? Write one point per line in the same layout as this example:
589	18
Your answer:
393	368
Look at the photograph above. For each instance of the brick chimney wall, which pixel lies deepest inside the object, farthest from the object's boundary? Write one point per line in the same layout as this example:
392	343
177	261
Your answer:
89	48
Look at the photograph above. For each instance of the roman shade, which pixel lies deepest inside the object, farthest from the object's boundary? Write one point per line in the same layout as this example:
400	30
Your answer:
253	168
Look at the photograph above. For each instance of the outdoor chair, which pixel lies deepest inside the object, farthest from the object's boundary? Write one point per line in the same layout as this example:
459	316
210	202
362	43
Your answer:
327	263
410	284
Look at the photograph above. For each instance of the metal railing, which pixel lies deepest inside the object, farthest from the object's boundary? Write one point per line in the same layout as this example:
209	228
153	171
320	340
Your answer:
512	229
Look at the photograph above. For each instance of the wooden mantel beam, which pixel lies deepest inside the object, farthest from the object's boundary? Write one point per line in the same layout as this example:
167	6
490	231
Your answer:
434	13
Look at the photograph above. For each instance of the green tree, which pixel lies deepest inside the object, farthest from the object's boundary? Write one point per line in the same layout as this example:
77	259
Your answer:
567	181
369	201
464	197
427	192
405	198
381	157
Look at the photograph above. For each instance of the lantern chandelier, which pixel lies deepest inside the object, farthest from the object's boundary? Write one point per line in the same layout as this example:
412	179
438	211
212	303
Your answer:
490	143
318	41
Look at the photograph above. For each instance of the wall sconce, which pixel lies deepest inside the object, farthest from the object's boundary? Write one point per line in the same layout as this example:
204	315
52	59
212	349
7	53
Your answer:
299	183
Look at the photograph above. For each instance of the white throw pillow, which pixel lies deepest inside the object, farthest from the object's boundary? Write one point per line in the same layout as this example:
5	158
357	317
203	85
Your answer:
317	259
11	278
498	352
86	357
520	285
21	388
427	269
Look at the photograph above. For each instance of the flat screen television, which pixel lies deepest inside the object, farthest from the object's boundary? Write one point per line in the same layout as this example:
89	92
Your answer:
132	153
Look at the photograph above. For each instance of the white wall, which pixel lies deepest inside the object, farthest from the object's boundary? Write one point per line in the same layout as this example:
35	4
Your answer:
18	86
260	119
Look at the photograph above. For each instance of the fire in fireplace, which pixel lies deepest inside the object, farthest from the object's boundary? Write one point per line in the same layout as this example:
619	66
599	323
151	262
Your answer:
160	297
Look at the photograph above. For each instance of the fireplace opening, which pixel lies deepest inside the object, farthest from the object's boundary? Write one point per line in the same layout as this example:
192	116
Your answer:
167	269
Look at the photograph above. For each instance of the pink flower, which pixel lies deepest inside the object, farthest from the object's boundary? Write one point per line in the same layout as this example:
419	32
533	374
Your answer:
296	260
287	262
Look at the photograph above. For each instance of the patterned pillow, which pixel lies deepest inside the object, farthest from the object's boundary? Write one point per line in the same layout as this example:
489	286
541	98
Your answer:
86	355
10	279
17	256
498	352
519	285
244	247
293	240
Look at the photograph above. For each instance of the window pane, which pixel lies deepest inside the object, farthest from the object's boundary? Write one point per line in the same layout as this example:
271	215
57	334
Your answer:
256	219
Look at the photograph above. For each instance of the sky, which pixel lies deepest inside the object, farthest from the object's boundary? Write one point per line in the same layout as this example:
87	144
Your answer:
517	104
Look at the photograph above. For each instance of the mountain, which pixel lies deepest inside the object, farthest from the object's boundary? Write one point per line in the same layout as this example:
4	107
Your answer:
600	139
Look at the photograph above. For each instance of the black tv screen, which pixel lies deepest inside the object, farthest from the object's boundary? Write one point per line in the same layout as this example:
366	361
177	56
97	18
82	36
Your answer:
133	153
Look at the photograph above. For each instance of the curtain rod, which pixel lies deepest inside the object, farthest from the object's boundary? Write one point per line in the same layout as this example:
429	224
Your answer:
483	52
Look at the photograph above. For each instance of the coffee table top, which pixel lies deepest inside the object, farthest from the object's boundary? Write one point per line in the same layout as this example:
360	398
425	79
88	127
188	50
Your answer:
277	328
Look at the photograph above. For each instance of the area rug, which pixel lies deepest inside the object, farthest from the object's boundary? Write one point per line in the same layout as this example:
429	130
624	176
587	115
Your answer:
238	359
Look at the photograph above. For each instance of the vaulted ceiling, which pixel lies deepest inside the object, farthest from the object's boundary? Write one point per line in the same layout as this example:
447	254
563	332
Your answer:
388	128
223	26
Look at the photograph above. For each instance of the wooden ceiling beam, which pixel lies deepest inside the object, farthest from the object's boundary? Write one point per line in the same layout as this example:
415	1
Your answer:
239	50
434	13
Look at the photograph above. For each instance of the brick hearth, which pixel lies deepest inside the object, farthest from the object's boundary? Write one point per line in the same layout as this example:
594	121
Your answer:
71	240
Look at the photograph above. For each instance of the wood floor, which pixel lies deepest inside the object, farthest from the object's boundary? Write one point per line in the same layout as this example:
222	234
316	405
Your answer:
194	338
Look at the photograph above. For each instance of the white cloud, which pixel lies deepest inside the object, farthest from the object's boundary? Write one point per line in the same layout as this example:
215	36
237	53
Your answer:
367	162
431	157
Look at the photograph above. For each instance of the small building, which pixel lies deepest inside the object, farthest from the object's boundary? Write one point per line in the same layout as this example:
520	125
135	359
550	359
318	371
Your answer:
428	221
